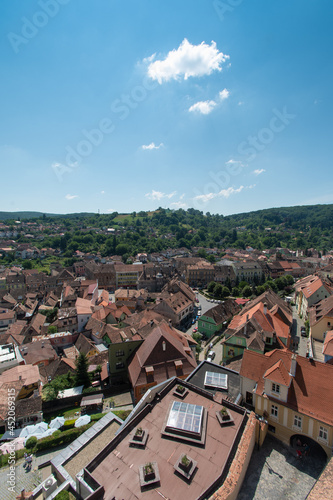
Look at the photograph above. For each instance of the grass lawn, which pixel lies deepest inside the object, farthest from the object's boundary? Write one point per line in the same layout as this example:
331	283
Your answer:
69	413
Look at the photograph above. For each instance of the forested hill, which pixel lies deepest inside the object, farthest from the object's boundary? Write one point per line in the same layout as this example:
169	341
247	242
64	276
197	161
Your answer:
300	217
301	227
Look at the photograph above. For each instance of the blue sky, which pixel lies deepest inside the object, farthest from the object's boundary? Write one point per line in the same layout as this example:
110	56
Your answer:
225	106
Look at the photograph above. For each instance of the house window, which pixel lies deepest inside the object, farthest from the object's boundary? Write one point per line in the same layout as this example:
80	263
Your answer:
276	388
119	366
120	353
298	422
249	398
323	434
274	411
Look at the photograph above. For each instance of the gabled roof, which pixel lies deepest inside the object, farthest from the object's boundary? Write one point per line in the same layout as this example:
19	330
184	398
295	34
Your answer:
320	310
151	353
222	312
278	374
328	344
29	375
310	390
83	306
83	344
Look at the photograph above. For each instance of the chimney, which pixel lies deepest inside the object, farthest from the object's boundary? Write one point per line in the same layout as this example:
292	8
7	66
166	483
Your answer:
22	497
265	308
293	365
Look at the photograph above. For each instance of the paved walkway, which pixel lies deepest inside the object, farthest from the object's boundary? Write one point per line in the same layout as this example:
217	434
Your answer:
275	473
28	479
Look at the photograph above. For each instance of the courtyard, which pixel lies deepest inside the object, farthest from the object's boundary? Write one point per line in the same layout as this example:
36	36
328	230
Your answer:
276	473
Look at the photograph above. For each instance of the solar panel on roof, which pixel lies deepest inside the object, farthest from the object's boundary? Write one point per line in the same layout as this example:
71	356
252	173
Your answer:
218	380
185	416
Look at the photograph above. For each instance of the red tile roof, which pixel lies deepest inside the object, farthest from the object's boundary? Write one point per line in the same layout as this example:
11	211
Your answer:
278	373
328	344
309	392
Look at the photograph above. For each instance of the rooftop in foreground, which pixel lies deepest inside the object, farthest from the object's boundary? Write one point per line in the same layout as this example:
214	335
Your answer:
175	426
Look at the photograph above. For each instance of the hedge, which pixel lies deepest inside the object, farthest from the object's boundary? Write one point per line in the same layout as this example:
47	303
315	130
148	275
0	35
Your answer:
4	458
64	438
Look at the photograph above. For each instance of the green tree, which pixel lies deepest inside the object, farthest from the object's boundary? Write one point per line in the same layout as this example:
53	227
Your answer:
81	372
52	329
247	291
218	290
122	249
225	292
235	291
260	289
242	284
211	287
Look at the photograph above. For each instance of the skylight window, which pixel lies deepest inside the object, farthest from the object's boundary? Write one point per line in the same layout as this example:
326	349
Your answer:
185	417
217	380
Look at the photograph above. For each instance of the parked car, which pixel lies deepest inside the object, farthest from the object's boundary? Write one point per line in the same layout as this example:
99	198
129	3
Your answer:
211	356
303	331
195	329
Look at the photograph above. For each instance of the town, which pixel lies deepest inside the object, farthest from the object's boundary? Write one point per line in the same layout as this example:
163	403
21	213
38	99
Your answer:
169	369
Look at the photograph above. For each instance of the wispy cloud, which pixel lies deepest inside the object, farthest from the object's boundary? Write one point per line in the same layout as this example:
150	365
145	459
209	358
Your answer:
259	171
178	204
110	210
158	195
224	193
102	192
206	107
71	196
203	107
188	60
152	145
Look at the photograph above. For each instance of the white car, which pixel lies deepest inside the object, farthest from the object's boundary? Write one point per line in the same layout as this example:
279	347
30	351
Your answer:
211	356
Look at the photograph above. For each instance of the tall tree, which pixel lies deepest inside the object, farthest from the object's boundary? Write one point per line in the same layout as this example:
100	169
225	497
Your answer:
81	372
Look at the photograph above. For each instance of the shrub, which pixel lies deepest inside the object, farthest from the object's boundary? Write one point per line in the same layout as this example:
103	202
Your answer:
31	443
64	438
4	458
69	424
63	495
97	416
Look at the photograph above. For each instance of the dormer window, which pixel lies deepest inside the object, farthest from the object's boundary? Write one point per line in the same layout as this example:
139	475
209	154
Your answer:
275	388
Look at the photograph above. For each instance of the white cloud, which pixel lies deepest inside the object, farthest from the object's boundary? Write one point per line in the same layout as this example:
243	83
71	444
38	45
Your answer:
258	171
71	196
205	197
102	192
178	204
224	94
152	145
158	195
181	196
206	107
224	193
240	103
188	60
203	107
111	210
